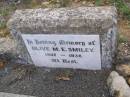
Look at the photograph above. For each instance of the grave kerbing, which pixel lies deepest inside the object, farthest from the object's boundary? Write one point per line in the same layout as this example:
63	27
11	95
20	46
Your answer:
82	20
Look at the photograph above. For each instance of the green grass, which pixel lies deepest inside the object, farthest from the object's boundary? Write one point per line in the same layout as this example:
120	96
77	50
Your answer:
27	1
98	2
62	3
122	7
122	39
4	12
2	25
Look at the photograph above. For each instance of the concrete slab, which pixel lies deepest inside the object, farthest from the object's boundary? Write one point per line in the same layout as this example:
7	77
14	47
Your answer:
2	94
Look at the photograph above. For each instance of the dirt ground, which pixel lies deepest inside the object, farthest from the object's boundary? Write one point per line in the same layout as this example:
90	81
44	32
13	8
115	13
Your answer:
45	83
123	56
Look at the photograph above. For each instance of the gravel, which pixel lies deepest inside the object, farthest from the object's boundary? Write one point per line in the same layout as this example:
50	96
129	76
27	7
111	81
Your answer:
42	82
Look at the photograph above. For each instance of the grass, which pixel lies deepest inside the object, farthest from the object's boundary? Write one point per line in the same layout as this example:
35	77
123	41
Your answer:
122	7
4	12
2	25
65	3
60	3
122	39
98	2
27	1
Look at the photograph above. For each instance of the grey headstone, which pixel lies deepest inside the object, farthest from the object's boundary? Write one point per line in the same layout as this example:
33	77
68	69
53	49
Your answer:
81	20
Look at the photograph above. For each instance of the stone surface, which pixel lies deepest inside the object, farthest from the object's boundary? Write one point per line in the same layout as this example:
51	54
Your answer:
2	94
128	81
118	85
14	76
44	83
123	69
81	20
7	45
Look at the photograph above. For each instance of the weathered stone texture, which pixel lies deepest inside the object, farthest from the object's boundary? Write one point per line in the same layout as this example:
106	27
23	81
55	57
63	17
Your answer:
118	86
7	45
81	20
2	94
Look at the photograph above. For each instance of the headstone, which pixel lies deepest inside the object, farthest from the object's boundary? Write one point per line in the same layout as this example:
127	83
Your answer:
83	37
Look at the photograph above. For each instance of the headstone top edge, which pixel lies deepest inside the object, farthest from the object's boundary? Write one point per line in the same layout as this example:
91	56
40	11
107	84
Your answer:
81	11
53	20
72	8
